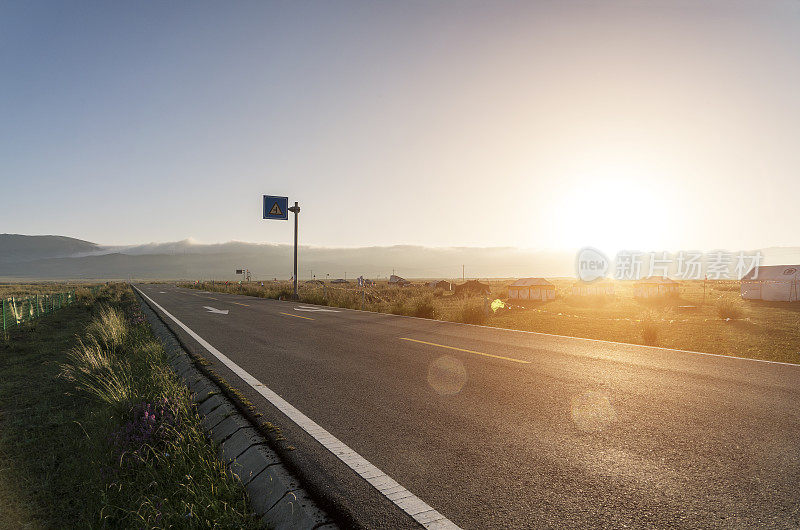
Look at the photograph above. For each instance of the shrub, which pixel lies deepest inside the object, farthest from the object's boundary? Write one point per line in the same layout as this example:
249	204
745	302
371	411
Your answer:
473	313
314	297
84	296
423	307
398	307
649	330
650	333
728	309
283	294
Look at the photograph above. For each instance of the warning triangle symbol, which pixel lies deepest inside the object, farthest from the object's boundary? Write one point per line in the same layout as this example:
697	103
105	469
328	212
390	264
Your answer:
276	210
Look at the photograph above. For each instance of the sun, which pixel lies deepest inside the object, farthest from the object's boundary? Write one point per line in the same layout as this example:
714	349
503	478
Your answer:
612	213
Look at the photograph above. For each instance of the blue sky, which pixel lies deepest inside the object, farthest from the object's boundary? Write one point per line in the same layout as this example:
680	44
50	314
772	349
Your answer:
649	125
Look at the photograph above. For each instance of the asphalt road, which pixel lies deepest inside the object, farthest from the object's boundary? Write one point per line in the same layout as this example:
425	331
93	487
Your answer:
514	429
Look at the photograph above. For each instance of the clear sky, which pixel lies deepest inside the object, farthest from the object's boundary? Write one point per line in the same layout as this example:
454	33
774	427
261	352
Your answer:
638	125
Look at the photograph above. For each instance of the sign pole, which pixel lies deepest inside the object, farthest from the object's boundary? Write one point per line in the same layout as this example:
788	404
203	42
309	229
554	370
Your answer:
295	210
276	207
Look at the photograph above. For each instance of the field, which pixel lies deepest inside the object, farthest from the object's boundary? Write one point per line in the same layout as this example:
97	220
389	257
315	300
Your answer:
718	321
10	289
96	431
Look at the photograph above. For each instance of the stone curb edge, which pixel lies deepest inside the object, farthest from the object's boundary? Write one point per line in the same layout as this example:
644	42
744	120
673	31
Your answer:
274	493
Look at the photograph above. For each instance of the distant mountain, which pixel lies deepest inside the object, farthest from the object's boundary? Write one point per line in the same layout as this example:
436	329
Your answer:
188	260
46	257
19	248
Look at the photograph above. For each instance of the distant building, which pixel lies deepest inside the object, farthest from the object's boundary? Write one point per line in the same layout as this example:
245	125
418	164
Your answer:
531	289
595	288
655	286
772	282
397	280
441	284
471	288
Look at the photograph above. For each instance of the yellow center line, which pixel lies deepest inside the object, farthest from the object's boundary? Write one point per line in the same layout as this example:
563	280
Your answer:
468	351
237	303
296	316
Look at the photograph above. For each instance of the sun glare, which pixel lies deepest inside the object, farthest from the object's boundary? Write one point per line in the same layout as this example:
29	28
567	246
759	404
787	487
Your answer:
610	214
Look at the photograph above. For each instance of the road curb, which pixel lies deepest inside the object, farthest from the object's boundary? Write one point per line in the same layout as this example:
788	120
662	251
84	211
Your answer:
275	494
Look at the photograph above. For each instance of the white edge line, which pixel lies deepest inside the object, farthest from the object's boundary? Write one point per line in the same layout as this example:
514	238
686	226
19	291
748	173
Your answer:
410	503
544	334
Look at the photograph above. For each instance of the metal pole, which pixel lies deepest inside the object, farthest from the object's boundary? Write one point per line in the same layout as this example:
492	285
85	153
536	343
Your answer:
295	210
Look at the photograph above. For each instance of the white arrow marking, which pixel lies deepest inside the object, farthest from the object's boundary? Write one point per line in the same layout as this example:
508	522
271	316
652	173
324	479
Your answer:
316	309
214	310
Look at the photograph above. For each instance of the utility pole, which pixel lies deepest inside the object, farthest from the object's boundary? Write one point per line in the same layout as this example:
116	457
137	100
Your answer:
704	290
295	210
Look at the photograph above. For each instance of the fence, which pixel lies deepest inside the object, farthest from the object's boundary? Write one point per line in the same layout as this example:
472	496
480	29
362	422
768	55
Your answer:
19	310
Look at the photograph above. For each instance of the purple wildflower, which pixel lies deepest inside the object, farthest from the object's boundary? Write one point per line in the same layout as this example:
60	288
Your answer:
149	424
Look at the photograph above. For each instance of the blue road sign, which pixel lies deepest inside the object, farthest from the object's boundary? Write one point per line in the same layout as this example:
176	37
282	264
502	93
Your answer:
276	207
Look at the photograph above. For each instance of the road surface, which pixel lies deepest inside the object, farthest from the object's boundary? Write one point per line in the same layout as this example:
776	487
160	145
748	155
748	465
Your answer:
502	429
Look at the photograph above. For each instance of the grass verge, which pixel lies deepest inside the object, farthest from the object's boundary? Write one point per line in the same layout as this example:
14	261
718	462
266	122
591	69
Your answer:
96	430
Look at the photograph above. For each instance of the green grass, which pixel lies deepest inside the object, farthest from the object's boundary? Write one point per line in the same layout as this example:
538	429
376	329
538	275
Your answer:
714	319
70	383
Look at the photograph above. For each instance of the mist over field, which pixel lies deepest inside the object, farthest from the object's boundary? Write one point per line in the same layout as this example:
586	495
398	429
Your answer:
42	257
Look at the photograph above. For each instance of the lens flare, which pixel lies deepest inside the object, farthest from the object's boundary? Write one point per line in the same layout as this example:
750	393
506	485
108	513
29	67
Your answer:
447	375
497	304
592	411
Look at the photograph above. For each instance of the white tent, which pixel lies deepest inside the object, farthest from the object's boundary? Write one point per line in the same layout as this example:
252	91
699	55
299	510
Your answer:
772	282
531	289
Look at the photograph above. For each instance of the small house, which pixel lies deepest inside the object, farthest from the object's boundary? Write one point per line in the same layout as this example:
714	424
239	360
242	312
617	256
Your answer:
654	286
772	282
471	288
531	289
398	281
444	285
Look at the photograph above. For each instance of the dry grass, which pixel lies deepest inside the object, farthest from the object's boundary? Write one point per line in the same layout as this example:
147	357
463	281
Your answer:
109	327
27	289
93	369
